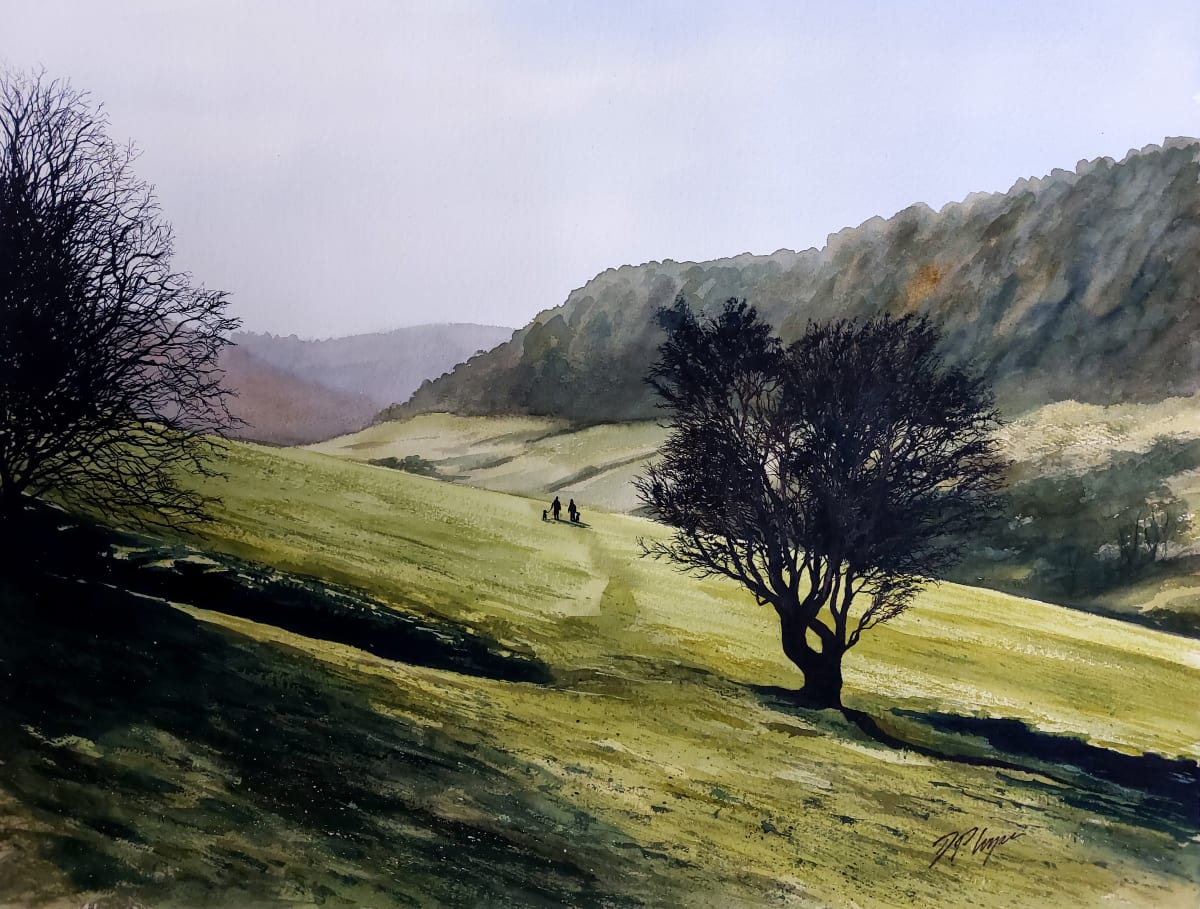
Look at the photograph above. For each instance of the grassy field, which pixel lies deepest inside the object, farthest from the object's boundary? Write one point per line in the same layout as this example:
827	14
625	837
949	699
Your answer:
177	755
539	457
1071	436
531	456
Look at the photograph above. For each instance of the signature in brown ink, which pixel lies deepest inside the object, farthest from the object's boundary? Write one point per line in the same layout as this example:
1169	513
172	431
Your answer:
974	838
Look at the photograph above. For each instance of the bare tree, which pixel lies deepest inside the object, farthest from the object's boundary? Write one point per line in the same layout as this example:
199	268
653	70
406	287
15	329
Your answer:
832	478
110	388
1146	529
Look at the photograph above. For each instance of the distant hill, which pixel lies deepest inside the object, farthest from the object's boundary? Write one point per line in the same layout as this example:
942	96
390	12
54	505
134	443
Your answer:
1080	285
282	409
292	391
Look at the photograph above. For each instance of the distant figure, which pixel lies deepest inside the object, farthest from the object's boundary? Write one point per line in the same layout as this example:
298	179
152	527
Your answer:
572	511
544	518
556	508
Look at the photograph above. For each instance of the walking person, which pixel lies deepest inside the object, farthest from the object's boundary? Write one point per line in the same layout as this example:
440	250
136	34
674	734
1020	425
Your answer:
556	508
572	511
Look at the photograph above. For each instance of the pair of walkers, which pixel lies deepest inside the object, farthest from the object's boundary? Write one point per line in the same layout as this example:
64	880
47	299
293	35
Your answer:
556	510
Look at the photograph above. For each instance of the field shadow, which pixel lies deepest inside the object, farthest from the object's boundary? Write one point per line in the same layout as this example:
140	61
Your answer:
1169	787
321	611
589	473
1146	790
578	525
162	757
302	605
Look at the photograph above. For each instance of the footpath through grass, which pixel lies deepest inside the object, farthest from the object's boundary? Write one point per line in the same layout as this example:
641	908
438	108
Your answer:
186	756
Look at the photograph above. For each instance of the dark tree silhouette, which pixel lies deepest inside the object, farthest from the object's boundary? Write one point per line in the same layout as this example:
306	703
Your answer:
109	382
833	478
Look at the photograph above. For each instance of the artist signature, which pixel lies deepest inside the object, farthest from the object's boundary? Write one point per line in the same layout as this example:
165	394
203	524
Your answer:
975	839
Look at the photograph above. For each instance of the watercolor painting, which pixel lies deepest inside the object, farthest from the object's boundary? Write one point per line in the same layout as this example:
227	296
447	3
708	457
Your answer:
523	454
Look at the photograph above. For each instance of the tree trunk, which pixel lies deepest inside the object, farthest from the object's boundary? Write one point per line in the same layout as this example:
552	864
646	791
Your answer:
822	682
822	668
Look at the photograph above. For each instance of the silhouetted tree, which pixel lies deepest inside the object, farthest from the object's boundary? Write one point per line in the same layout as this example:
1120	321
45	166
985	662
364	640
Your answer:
833	478
109	380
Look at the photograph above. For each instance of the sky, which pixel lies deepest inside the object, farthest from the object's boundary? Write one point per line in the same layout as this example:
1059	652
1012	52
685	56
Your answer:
353	166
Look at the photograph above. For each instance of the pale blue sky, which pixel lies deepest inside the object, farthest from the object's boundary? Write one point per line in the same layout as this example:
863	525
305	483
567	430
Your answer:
353	166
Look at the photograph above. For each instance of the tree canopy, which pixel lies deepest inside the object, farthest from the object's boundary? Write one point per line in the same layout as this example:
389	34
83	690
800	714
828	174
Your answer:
110	386
832	477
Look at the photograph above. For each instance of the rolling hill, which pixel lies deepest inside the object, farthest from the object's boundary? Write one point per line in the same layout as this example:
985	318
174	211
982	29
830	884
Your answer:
530	456
199	721
1081	285
1154	447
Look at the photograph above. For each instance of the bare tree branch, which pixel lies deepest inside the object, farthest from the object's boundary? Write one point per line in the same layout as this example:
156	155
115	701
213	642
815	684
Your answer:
110	384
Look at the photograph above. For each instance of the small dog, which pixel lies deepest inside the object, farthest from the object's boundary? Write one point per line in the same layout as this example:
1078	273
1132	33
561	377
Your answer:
545	515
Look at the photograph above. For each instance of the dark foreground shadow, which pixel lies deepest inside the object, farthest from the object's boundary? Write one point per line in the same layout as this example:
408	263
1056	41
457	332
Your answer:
302	605
162	759
324	612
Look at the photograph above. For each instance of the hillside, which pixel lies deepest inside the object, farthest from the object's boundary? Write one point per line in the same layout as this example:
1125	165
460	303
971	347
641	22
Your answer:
283	409
530	456
1080	285
1073	468
537	717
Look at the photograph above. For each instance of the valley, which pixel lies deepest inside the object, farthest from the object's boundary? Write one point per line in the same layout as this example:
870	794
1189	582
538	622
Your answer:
656	765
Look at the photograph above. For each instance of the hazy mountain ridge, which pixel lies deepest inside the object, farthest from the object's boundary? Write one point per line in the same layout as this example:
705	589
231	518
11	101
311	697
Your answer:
384	366
292	391
1078	285
279	408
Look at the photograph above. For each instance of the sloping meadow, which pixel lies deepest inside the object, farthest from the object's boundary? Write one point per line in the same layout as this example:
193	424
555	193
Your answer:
1080	473
166	751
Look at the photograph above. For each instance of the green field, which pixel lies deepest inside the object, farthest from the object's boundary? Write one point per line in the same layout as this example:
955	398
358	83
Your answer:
540	457
530	456
177	755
